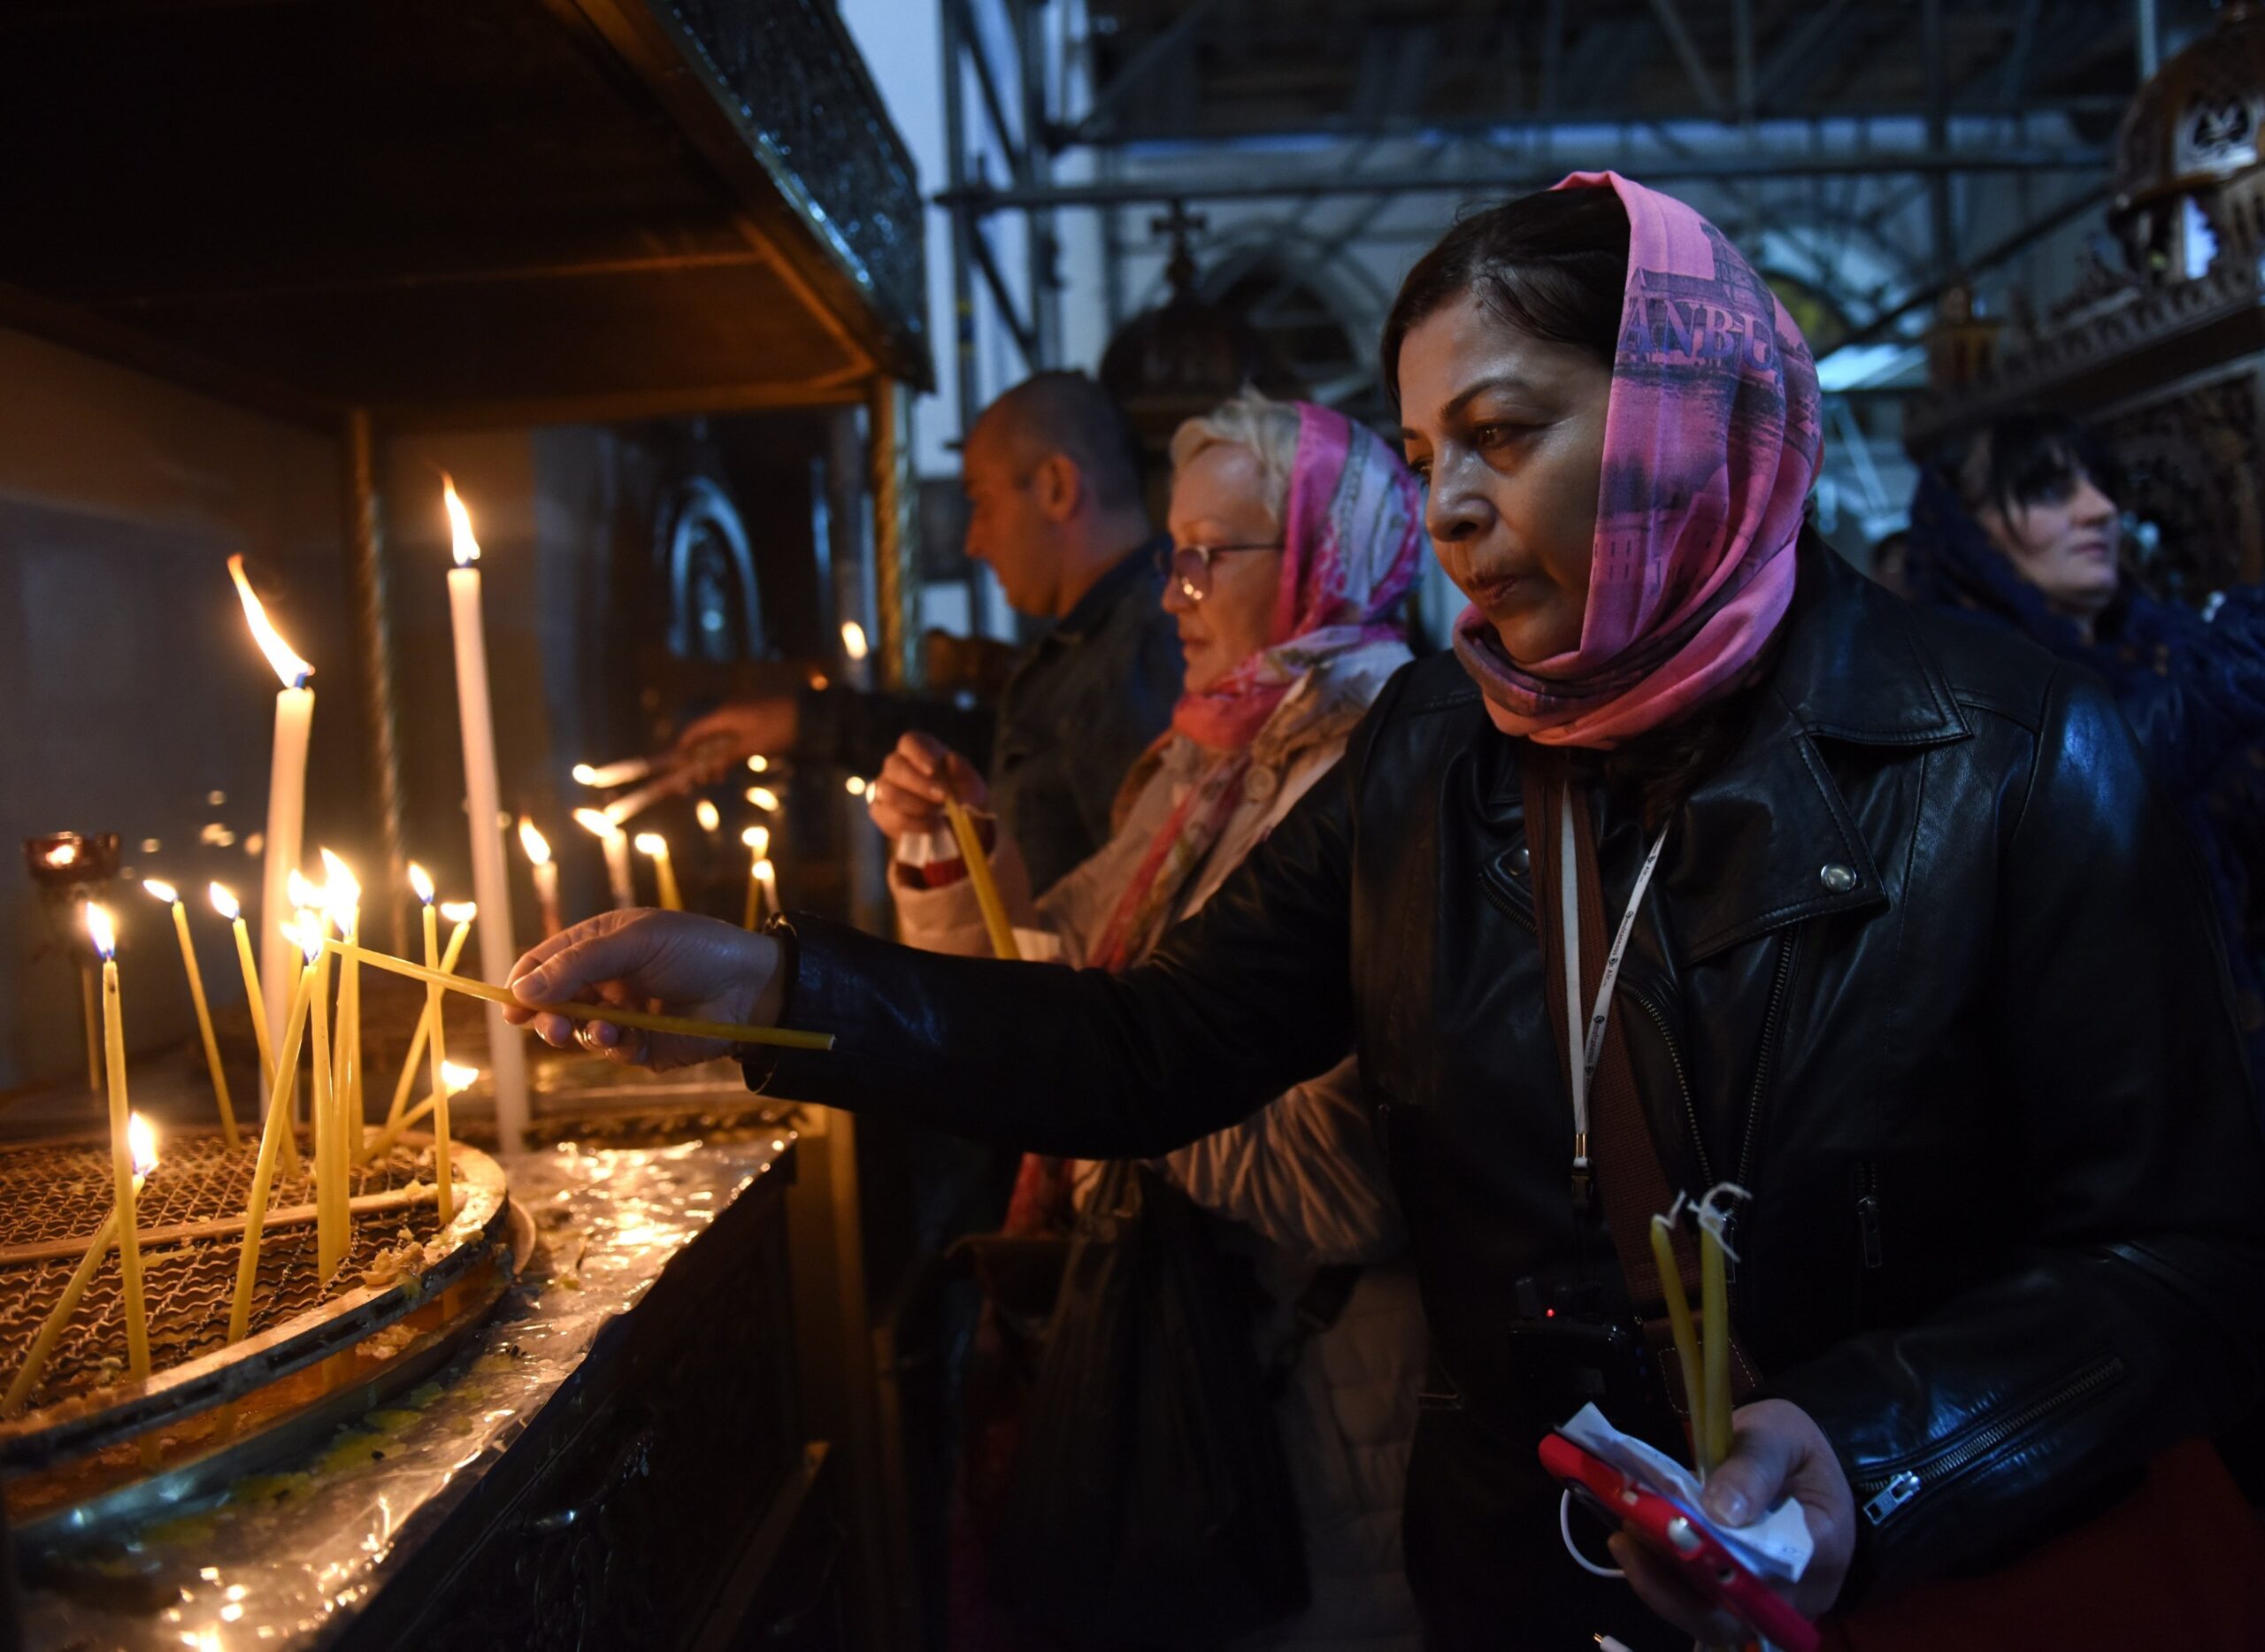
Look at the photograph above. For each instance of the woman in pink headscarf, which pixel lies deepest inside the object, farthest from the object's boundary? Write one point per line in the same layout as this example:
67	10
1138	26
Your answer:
1700	860
1295	532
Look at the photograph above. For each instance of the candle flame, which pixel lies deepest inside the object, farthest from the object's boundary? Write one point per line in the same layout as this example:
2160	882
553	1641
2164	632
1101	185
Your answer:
853	639
459	911
302	891
651	843
141	1142
224	902
466	547
62	855
421	881
764	872
343	891
585	775
305	931
759	762
101	931
758	839
855	786
763	798
705	812
160	890
596	821
458	1078
537	846
292	670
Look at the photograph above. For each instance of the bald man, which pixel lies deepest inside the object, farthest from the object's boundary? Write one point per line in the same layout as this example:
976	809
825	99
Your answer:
1053	483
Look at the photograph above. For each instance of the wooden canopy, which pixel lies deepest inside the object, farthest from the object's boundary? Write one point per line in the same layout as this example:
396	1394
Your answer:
461	212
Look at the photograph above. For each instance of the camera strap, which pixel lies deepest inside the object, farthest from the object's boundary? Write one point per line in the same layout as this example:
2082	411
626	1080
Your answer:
1628	1175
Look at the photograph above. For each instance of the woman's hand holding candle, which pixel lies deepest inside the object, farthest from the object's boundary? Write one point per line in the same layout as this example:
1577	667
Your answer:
673	963
915	782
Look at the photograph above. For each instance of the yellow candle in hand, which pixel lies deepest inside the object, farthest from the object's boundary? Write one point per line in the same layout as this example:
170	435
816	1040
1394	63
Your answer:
1686	1338
224	902
460	913
270	1139
979	873
144	1140
1714	1308
166	893
121	1145
443	1170
653	844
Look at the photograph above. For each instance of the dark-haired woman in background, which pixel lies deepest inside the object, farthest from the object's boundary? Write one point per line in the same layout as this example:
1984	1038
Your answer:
1913	958
2019	524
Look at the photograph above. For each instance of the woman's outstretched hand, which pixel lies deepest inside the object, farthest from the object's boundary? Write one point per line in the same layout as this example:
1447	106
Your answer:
909	794
1776	1451
668	962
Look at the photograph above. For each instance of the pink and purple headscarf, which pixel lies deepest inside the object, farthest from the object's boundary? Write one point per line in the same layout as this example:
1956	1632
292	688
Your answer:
1712	437
1352	542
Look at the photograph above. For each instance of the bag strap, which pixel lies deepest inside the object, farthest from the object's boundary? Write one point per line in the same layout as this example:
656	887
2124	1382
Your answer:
1628	1178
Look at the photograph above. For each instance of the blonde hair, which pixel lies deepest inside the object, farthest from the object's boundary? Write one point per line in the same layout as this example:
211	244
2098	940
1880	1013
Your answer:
1266	427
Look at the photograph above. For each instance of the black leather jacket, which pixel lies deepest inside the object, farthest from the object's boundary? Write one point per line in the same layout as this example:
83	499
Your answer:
1926	967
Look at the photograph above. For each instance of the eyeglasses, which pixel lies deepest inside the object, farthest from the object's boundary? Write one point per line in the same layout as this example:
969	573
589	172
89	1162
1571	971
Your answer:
1191	564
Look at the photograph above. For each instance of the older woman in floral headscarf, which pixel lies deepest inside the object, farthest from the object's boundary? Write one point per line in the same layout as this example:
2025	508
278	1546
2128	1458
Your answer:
1294	534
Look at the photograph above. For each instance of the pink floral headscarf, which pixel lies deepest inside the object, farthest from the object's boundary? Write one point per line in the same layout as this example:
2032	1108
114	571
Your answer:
1351	540
1712	437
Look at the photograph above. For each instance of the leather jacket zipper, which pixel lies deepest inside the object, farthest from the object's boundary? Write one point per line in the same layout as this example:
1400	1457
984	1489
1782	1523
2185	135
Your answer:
1868	1214
1682	1081
1778	991
1881	1496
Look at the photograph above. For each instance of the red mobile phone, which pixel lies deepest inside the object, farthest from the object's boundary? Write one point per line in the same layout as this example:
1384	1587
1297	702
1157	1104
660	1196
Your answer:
1662	1527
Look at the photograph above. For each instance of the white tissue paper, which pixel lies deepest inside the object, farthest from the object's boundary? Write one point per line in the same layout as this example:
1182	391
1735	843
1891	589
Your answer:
1778	1545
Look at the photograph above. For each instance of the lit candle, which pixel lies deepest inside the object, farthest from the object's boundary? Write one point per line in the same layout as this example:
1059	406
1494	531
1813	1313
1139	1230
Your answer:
331	1216
490	885
615	841
858	669
224	902
759	763
143	1142
443	1162
767	879
711	817
343	891
603	776
763	798
757	838
307	935
460	913
546	874
979	874
287	786
166	893
653	844
121	1145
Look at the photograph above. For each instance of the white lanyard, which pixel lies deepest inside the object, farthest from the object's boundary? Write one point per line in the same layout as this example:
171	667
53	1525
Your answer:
1569	917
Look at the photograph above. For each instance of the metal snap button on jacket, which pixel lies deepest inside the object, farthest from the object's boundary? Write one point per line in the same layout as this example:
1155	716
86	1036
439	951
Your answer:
1837	878
1521	859
1260	784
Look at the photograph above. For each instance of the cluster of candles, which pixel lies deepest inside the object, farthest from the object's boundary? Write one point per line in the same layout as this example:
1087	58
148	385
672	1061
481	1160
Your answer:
340	1138
606	824
1703	1349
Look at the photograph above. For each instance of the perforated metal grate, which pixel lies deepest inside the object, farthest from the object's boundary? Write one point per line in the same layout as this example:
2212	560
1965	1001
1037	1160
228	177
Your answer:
61	1191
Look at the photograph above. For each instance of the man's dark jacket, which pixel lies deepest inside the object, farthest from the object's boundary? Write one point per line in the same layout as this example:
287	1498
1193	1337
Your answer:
1094	690
1926	967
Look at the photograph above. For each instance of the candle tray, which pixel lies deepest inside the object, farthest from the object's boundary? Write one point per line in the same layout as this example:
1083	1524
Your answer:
93	1447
